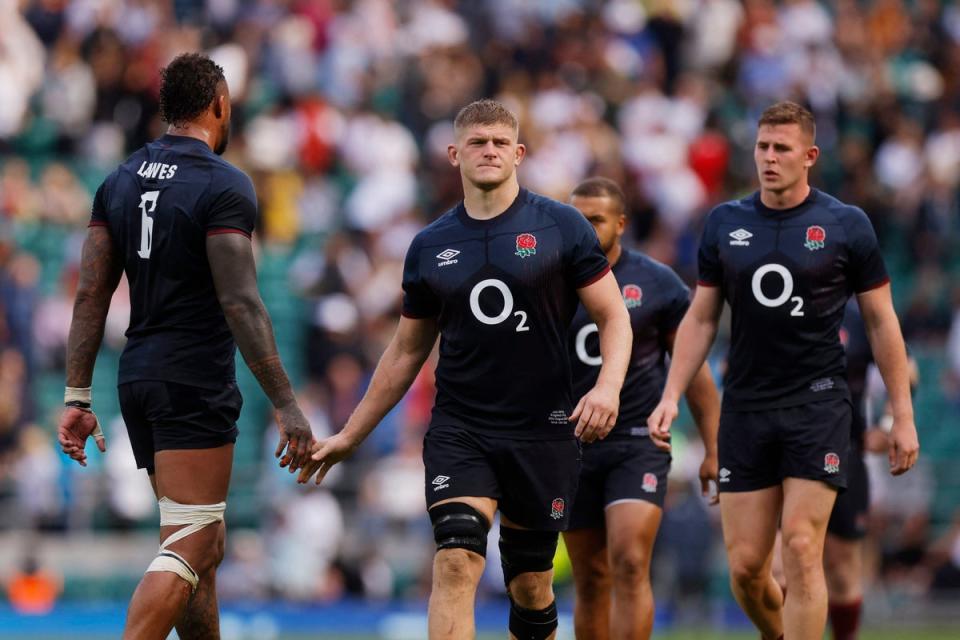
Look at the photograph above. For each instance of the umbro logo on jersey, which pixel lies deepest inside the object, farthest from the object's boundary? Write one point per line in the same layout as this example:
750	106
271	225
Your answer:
724	475
740	237
440	482
447	257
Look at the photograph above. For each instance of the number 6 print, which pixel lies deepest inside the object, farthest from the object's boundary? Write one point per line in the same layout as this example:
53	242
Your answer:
146	223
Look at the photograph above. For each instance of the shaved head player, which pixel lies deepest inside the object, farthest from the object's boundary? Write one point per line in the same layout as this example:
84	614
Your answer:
177	219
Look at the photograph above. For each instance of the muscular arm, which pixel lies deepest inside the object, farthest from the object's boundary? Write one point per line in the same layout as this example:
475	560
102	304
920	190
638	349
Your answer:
693	340
597	411
890	354
398	366
235	277
100	270
704	402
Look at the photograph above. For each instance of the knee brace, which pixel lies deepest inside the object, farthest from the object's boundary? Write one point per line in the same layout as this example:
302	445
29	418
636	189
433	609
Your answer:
459	526
532	624
195	517
523	551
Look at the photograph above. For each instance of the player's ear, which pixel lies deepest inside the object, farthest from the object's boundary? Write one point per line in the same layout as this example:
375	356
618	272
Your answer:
521	153
218	107
621	224
453	155
812	154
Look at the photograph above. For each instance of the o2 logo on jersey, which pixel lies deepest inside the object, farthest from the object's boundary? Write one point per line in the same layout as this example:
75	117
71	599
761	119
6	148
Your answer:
526	245
816	237
580	345
785	294
632	296
146	222
507	311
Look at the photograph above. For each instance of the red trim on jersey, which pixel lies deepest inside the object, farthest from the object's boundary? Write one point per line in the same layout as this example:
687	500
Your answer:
98	223
590	281
413	317
704	283
876	285
219	230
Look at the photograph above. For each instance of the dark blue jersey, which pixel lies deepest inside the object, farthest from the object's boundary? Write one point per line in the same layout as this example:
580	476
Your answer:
853	336
787	275
504	291
656	300
160	206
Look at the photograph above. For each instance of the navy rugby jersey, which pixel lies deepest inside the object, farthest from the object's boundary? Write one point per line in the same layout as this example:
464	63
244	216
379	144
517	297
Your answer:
160	206
656	300
787	275
504	292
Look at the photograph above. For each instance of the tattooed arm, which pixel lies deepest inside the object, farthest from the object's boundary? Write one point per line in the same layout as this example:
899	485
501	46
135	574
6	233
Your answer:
100	270
235	278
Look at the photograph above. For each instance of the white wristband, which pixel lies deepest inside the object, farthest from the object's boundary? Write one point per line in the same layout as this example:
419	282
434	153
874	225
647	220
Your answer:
82	395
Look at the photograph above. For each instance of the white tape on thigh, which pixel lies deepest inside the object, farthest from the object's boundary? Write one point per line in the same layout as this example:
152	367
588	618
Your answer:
195	517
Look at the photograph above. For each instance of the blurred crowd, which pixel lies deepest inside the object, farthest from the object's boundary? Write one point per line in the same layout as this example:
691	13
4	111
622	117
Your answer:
342	114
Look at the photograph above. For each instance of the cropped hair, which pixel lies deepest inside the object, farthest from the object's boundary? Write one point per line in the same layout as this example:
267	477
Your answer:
188	86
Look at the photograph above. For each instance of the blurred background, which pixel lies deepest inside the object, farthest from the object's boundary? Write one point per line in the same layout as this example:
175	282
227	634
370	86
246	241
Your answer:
342	113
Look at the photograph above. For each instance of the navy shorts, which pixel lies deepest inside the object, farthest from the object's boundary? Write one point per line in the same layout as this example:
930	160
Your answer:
167	415
618	470
849	517
758	449
533	481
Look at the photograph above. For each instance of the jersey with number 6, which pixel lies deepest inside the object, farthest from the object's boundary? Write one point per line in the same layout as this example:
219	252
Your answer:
787	275
504	292
160	206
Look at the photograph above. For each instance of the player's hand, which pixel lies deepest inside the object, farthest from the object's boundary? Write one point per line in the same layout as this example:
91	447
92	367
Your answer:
904	446
659	423
709	469
76	425
596	413
295	436
327	453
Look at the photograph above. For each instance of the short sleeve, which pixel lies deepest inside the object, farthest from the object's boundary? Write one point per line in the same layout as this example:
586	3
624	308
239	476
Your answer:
98	214
585	260
676	302
710	271
865	267
233	210
418	300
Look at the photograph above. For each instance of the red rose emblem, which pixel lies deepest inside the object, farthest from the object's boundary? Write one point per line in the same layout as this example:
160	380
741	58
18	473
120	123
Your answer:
831	463
526	245
816	236
632	296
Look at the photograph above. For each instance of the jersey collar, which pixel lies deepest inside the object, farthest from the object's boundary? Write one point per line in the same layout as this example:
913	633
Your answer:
508	213
767	212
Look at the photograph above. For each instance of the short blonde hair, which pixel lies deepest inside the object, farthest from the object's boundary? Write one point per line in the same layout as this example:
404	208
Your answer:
485	111
787	112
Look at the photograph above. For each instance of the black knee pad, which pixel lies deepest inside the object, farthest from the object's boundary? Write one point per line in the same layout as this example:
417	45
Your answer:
533	624
459	526
523	551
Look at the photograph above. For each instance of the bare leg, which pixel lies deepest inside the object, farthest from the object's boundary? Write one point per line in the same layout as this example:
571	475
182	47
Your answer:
456	574
631	532
591	580
190	476
749	540
843	566
806	510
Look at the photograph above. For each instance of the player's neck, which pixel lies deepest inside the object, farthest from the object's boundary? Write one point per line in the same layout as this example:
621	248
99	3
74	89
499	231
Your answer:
484	205
193	130
786	199
613	256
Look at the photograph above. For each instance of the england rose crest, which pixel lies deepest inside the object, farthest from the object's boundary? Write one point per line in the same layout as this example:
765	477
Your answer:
526	245
831	463
556	508
649	483
816	236
632	296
